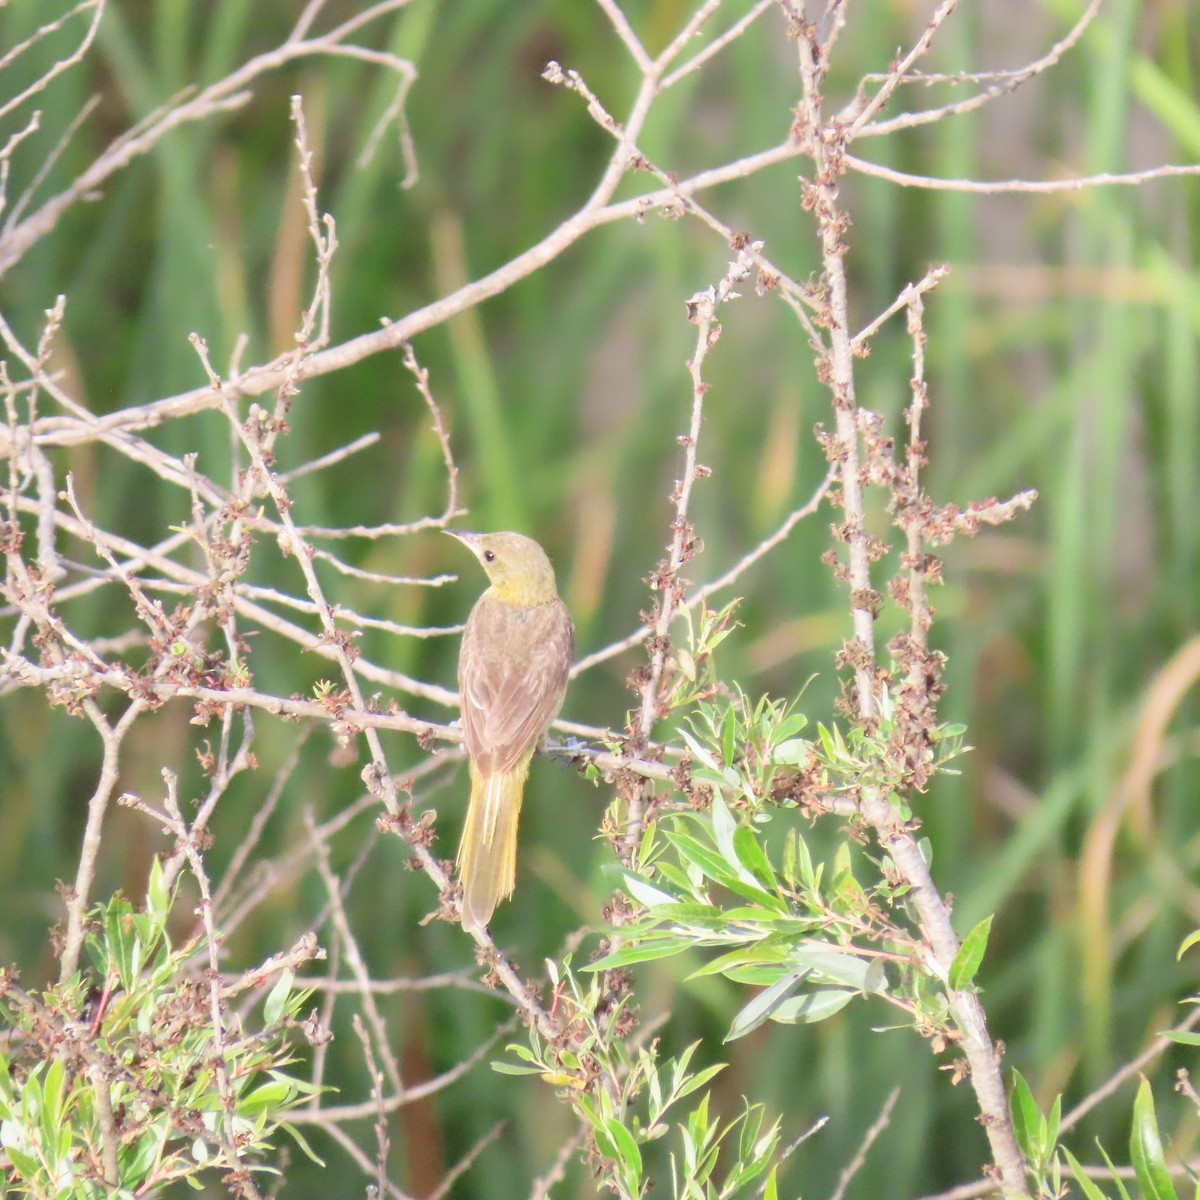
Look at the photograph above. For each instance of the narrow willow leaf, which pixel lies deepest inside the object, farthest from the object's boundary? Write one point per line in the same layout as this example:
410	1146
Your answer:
810	879
729	736
646	894
762	955
1187	943
680	1065
752	856
699	753
748	1134
771	1190
300	1141
1122	1190
644	951
724	825
1050	1133
1145	1148
752	976
1026	1118
1183	1037
758	1009
970	955
789	727
813	1006
629	1151
52	1094
698	1080
790	861
708	861
265	1098
1089	1189
278	997
792	752
505	1068
865	974
157	900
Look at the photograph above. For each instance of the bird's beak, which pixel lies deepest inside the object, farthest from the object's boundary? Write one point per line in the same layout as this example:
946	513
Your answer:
470	540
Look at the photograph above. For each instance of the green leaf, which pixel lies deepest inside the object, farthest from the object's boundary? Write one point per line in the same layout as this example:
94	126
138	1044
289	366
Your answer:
117	939
710	864
811	1007
1026	1118
792	752
1121	1188
748	1134
1145	1148
808	877
1182	1036
789	726
630	1154
863	974
643	951
686	914
1187	943
729	736
758	1009
723	827
14	1137
776	1004
790	860
695	1082
675	875
680	1065
750	853
277	999
970	955
753	975
646	894
522	1051
771	1188
1050	1134
647	847
506	1068
267	1097
826	739
1088	1187
604	1142
298	1138
698	1127
717	869
158	902
52	1095
772	953
699	752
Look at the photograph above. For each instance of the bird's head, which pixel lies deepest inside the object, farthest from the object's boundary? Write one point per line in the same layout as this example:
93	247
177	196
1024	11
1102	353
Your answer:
517	566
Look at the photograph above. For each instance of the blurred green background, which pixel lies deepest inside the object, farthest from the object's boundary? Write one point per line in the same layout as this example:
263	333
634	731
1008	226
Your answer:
1062	356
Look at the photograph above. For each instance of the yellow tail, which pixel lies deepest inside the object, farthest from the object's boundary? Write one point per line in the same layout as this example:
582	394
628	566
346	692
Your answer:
487	856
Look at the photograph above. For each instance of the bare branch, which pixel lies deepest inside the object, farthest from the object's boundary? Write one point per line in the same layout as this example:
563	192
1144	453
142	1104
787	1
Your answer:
1003	83
982	187
63	64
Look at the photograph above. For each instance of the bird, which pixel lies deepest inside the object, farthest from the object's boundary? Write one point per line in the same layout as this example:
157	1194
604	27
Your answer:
517	651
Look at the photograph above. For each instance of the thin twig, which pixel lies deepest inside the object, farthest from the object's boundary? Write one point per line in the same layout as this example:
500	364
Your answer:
852	1168
999	187
226	1131
825	145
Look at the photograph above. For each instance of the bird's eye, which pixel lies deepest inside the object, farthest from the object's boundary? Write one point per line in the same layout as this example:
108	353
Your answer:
489	556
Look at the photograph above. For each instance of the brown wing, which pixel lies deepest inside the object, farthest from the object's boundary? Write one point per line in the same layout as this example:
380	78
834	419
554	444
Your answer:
512	675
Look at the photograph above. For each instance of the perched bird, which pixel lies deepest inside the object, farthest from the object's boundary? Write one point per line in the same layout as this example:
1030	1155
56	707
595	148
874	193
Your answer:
517	648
